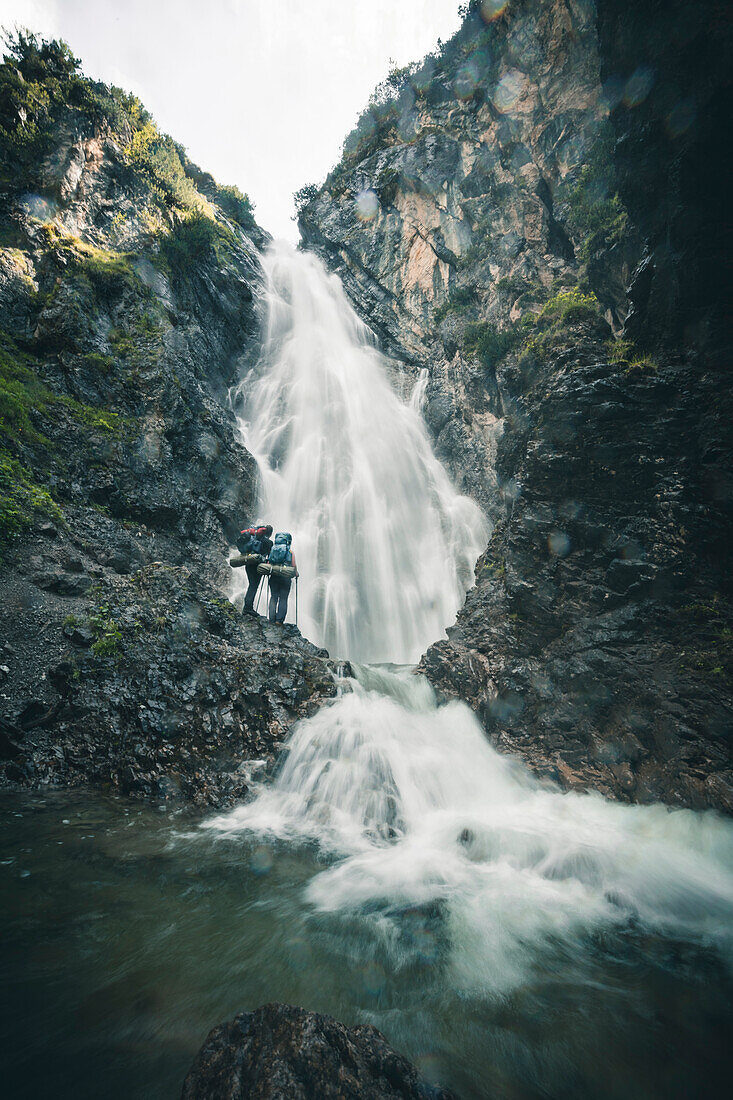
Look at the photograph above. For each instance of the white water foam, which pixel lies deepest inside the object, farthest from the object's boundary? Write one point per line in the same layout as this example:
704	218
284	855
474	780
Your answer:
419	810
385	545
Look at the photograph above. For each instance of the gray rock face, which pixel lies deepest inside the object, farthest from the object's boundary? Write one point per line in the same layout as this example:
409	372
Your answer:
472	176
280	1052
597	641
125	312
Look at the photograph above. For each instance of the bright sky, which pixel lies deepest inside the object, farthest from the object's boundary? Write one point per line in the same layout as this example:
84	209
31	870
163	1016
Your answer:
261	92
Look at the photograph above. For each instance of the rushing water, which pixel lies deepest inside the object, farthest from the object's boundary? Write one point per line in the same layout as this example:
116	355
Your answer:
513	940
385	545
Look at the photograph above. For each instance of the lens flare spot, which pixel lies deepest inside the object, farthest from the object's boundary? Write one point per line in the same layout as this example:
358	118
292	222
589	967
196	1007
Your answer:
262	860
367	205
613	92
638	86
508	90
492	9
681	118
559	544
39	207
466	82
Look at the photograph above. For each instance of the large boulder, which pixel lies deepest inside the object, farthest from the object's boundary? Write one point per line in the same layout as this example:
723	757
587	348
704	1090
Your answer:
280	1052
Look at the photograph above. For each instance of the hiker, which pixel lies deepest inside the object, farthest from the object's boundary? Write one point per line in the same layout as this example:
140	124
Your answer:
254	541
281	556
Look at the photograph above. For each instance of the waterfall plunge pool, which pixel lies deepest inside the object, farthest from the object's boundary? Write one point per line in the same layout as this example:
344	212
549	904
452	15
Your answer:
532	944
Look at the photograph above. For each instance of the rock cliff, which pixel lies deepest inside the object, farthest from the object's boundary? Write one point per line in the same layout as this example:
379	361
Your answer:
128	296
533	216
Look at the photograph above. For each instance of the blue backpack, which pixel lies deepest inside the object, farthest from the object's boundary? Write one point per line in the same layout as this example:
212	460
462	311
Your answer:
280	553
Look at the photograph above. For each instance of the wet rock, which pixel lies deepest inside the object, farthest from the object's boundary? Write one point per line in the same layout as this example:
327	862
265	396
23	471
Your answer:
280	1051
65	584
79	635
160	702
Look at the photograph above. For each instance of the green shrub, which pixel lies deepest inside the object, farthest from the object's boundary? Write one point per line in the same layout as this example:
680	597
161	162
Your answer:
107	634
109	645
158	157
597	216
236	205
623	354
567	307
486	341
460	301
642	364
304	197
192	239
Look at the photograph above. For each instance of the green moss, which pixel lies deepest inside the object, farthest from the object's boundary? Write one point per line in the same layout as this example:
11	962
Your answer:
98	364
109	272
22	500
496	568
25	399
22	395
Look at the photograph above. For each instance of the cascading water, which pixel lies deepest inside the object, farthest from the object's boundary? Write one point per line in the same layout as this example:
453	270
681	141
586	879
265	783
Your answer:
442	853
384	544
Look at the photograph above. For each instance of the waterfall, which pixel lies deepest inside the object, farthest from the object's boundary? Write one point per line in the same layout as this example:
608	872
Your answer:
412	805
385	545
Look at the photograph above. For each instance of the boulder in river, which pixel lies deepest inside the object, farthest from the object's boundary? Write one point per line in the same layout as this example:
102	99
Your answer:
280	1051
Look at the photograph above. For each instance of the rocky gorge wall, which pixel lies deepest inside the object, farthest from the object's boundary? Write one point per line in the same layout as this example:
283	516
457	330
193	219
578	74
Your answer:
128	298
534	216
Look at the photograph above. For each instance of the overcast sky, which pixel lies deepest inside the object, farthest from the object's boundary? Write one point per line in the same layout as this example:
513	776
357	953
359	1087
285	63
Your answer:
261	92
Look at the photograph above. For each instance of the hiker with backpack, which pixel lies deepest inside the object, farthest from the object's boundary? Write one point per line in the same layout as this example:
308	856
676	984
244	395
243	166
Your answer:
282	570
255	544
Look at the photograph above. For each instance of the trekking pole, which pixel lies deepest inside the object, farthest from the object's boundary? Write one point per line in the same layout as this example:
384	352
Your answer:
259	593
296	601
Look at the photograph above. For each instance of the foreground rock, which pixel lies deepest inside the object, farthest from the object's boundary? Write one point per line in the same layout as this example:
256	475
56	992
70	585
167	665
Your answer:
280	1052
150	683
